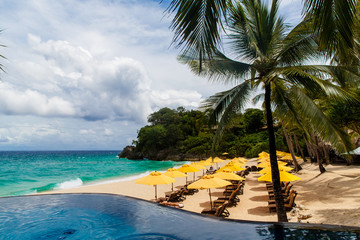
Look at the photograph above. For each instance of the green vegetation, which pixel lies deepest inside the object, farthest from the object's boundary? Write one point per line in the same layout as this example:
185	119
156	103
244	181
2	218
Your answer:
265	53
187	133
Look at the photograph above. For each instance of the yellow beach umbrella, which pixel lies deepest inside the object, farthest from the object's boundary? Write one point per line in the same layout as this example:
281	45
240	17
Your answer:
186	168
155	178
284	177
231	167
204	163
207	182
215	160
238	163
240	159
281	154
281	168
267	164
172	172
289	157
197	165
228	175
263	155
266	159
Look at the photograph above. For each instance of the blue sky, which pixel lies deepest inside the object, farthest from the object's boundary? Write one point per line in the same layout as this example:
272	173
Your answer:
86	74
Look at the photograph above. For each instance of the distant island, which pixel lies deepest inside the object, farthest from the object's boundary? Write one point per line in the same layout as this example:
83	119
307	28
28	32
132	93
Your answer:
180	134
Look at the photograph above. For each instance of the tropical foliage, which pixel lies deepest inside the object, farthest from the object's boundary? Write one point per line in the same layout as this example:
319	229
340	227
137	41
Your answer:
265	54
187	133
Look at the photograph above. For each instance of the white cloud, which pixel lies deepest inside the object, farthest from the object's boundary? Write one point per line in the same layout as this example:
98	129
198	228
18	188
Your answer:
175	98
79	84
86	74
29	102
87	131
108	132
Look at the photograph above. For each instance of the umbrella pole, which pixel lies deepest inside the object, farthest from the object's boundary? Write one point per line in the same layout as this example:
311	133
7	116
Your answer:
172	186
194	176
210	199
155	192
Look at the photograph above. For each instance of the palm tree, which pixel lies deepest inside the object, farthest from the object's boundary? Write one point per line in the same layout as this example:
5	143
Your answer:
303	110
264	55
335	24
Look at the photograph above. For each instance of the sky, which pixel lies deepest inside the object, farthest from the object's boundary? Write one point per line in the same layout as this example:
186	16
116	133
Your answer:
85	74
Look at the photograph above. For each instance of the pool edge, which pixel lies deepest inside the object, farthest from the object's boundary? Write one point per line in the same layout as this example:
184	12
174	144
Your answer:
328	227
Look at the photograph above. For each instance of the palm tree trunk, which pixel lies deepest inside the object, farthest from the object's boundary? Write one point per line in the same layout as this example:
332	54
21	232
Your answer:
280	209
300	149
321	167
297	150
310	150
326	153
291	149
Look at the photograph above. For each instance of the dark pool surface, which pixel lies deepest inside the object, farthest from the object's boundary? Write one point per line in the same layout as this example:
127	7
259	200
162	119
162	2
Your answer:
102	216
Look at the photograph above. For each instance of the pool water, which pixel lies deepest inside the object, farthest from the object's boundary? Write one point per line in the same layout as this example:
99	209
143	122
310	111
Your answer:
103	216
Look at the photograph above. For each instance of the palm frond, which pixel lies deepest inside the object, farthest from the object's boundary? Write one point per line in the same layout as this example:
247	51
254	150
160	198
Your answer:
256	30
318	121
298	46
225	105
240	42
197	24
318	79
218	67
284	106
333	22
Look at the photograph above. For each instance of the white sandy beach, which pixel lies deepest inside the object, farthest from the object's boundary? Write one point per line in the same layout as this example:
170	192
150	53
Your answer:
330	198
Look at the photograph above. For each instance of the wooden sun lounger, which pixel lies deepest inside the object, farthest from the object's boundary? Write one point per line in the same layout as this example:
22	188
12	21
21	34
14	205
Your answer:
240	187
288	206
269	186
189	191
219	211
285	194
176	196
232	199
234	186
286	200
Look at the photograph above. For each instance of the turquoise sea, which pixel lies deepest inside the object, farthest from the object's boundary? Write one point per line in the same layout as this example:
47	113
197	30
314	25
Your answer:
23	172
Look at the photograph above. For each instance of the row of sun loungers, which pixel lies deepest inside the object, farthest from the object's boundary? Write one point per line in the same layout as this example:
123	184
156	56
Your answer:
230	198
289	196
178	195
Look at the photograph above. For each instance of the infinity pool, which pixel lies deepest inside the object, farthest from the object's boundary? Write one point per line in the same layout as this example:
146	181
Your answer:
101	216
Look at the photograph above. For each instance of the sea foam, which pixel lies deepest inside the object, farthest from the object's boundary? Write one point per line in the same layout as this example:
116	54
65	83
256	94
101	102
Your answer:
121	179
69	184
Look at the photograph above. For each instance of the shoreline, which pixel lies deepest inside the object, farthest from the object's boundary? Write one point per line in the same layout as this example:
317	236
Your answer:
330	198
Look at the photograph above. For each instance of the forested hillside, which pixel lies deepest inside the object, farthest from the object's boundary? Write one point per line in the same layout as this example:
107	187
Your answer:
186	134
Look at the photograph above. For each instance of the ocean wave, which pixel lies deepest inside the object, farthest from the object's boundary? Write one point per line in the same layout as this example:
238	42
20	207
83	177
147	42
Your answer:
128	178
29	192
69	184
121	179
